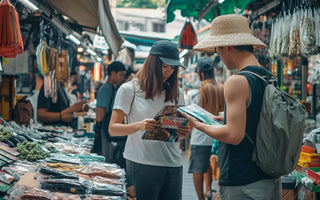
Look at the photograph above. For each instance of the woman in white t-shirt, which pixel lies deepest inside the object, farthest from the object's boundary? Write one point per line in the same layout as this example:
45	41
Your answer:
154	167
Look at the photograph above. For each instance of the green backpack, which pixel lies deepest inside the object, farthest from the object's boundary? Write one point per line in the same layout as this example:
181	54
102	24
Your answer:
279	132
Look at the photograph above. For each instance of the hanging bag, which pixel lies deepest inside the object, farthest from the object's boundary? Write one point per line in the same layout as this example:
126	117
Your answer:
188	36
62	68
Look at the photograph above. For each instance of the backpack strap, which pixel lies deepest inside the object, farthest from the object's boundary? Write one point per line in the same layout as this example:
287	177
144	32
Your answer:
255	74
270	81
267	82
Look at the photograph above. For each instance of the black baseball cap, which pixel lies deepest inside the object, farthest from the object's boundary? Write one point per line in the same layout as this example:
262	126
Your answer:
205	64
167	52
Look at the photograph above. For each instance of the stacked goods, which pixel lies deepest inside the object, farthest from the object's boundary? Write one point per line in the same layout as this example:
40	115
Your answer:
308	157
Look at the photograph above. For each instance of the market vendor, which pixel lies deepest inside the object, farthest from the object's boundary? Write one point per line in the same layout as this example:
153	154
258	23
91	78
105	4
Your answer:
54	107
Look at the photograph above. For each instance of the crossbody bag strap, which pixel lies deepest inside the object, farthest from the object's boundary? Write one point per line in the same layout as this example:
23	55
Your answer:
134	94
113	93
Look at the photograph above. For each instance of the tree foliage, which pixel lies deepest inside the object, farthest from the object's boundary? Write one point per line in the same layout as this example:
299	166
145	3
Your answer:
139	3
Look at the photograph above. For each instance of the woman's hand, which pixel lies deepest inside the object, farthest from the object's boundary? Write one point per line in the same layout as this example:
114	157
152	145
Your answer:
148	124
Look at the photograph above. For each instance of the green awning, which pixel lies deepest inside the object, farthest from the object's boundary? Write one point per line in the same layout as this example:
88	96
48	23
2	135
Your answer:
192	8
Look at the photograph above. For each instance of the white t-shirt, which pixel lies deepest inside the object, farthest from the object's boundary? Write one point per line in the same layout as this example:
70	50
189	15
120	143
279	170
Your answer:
148	152
197	137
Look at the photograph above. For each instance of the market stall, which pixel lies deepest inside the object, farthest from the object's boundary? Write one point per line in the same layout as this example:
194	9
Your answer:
50	162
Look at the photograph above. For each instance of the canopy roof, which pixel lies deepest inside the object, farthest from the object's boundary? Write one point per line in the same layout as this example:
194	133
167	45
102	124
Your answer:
89	15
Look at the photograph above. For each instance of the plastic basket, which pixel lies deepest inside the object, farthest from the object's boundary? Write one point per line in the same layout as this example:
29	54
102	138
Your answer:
308	164
313	174
309	157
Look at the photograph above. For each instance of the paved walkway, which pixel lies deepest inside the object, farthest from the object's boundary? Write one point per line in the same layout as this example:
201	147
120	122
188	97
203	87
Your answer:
188	190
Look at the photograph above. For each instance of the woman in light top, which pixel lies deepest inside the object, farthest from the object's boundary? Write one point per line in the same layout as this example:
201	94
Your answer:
154	167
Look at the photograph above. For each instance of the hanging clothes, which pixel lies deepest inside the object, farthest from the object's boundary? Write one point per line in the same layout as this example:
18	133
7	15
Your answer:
10	35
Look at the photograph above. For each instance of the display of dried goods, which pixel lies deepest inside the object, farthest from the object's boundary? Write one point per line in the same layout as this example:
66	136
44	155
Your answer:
22	192
104	170
285	35
66	196
308	35
31	151
57	173
64	166
19	168
108	180
66	185
103	197
4	133
108	189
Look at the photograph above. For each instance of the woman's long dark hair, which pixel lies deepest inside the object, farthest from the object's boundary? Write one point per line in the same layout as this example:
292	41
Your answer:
150	80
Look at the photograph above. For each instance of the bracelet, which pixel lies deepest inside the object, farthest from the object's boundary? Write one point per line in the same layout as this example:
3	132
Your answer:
60	116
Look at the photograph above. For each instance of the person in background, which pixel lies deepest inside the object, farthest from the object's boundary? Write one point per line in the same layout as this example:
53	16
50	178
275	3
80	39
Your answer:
74	93
240	177
56	109
209	97
154	168
116	75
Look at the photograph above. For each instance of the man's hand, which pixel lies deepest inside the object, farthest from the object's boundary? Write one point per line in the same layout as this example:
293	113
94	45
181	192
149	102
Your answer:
184	131
66	117
78	106
194	122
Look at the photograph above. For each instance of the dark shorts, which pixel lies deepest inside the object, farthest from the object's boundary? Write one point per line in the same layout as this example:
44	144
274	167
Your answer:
199	159
155	182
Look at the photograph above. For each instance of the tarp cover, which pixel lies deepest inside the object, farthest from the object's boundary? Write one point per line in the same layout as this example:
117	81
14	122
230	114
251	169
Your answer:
84	12
91	13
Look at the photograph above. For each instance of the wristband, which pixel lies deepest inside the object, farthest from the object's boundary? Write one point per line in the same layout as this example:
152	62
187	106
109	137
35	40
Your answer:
60	116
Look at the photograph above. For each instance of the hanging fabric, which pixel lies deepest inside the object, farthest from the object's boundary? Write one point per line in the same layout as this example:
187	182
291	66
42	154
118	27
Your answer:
10	35
188	36
1	69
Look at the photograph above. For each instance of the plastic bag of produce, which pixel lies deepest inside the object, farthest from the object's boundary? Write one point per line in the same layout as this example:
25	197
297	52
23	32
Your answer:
285	35
294	45
103	197
66	196
81	186
308	34
26	192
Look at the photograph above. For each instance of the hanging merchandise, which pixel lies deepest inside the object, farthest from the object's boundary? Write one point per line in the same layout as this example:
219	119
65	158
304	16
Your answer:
188	36
10	36
62	67
296	32
314	76
294	45
308	34
285	35
1	69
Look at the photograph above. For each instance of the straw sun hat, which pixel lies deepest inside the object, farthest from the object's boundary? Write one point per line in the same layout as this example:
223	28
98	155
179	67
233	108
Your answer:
229	30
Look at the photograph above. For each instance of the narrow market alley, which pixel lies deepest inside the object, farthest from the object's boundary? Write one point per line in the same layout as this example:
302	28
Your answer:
188	191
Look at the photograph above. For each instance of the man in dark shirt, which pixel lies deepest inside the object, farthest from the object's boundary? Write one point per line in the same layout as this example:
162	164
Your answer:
57	109
240	177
